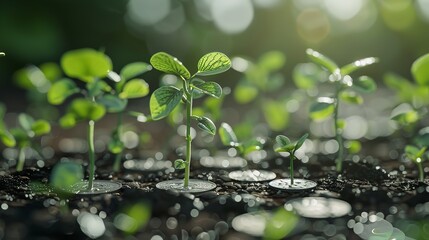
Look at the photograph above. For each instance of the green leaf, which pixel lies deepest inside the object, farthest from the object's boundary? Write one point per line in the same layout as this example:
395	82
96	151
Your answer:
272	61
213	63
112	103
412	152
227	135
95	88
365	84
21	137
322	109
7	138
210	88
305	75
68	120
353	146
61	90
134	69
349	68
301	141
341	124
245	92
407	118
26	121
86	64
206	124
322	61
135	88
66	174
420	70
115	146
163	101
87	110
41	127
250	146
276	115
351	97
282	140
281	224
164	62
288	148
179	164
51	70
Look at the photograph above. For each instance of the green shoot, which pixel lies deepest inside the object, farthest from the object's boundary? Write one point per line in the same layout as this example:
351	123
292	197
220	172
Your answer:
23	135
89	66
285	145
346	89
229	138
166	98
417	155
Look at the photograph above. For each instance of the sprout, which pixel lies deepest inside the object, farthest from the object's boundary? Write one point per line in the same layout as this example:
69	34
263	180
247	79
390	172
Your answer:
346	89
417	155
165	99
285	145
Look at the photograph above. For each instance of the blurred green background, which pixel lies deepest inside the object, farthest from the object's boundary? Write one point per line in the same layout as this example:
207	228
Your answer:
34	32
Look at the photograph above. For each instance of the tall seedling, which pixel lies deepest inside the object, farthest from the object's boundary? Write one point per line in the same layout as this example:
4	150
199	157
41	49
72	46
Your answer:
166	98
90	66
346	89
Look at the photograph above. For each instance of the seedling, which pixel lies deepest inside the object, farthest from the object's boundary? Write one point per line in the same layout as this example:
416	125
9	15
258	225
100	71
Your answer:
229	138
346	89
414	94
261	80
89	66
418	156
285	145
23	136
166	98
127	86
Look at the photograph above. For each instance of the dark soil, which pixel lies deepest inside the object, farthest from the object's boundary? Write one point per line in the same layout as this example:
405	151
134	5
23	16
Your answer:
30	209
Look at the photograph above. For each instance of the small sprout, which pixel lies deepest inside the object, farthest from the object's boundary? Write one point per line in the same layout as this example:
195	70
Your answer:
179	164
417	155
23	135
228	138
285	145
346	89
166	98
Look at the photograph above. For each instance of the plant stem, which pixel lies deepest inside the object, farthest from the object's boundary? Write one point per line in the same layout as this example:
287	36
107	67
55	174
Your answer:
421	173
338	137
188	139
21	160
91	154
118	157
292	158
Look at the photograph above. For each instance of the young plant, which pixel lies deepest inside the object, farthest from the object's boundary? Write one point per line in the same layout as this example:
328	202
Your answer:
229	138
285	145
90	66
260	83
127	86
412	93
346	89
24	135
166	98
417	155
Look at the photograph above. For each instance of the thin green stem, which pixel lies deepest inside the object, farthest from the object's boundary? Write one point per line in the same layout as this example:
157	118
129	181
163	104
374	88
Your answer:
188	139
118	157
21	159
292	158
338	137
91	154
421	173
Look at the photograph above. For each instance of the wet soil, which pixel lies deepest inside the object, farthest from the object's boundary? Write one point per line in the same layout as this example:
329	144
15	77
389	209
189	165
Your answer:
30	209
